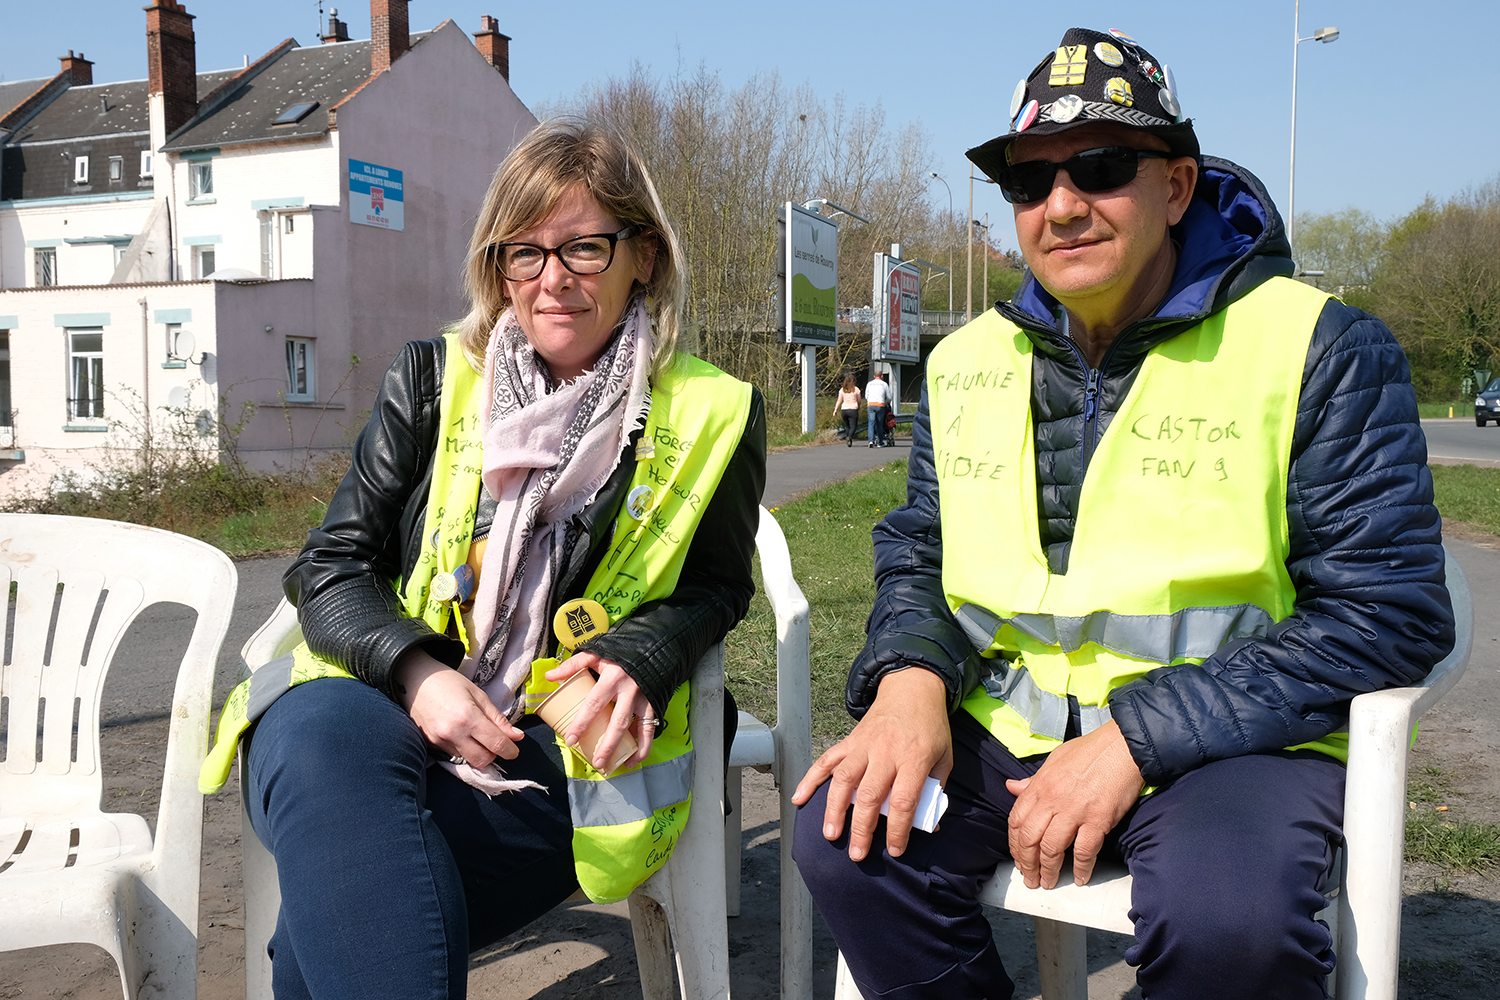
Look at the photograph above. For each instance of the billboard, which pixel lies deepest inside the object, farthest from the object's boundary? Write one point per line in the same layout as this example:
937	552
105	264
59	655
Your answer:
897	333
376	196
811	268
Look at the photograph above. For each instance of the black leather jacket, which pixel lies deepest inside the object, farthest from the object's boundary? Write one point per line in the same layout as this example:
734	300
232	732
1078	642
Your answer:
342	581
1366	555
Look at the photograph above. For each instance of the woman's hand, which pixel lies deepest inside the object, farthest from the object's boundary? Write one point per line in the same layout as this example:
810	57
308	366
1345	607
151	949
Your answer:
454	714
631	707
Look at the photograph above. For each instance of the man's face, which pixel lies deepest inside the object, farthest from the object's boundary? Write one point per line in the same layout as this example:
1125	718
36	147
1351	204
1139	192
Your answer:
1090	250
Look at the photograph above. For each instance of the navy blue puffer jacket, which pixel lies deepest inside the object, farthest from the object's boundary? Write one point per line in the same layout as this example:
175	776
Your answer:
1366	557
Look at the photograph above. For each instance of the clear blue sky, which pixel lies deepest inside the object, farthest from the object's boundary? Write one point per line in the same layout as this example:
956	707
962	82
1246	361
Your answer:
1389	113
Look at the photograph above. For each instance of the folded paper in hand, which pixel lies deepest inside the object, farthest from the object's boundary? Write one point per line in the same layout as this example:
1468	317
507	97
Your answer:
930	808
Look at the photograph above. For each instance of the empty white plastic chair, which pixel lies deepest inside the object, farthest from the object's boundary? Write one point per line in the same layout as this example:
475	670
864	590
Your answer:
1364	912
69	872
785	750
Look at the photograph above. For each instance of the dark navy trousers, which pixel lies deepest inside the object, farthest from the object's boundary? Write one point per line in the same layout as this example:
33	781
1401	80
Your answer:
391	868
1229	865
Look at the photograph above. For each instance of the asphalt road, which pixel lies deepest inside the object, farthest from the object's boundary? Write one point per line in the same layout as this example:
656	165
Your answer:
1459	441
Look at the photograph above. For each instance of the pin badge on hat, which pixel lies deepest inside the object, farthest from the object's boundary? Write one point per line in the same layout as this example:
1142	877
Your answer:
1027	116
1152	73
1176	109
1070	65
1169	103
1118	90
1108	54
1120	34
638	502
1066	108
578	621
1016	98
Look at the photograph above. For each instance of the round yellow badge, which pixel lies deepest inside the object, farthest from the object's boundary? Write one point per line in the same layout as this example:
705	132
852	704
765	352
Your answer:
578	621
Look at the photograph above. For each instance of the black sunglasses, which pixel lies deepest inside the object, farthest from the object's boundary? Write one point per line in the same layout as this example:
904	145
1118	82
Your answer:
1091	170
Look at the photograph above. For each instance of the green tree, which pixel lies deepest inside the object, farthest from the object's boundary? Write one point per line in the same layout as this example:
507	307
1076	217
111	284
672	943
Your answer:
1347	246
1438	287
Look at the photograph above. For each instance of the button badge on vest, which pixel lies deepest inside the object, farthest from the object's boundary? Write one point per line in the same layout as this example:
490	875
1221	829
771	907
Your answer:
638	502
578	621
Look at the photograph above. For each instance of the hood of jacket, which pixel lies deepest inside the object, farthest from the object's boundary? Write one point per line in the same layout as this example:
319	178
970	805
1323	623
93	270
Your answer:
1230	240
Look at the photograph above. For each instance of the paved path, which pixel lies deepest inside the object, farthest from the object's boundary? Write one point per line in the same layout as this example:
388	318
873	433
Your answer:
1459	441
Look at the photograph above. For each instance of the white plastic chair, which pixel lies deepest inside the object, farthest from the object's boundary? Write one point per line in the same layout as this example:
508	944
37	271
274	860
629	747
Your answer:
683	903
73	873
1365	911
785	751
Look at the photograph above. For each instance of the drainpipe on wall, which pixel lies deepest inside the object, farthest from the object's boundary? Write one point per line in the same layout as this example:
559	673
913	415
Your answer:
146	366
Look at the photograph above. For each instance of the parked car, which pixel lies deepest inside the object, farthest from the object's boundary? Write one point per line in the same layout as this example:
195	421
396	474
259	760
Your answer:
1487	404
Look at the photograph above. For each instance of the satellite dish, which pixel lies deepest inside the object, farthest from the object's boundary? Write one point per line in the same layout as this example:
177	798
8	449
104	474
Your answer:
177	398
204	424
184	345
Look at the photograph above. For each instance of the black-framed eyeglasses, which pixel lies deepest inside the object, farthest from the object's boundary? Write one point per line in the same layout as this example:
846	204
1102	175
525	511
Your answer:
1092	170
581	255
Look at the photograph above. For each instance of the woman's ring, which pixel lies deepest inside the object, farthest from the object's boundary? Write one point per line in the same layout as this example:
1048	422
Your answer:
456	759
652	721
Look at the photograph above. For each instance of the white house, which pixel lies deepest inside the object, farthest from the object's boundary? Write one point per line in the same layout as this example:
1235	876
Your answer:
269	235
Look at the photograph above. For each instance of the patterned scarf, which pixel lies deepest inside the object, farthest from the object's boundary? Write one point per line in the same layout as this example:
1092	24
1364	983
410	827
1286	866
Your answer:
547	451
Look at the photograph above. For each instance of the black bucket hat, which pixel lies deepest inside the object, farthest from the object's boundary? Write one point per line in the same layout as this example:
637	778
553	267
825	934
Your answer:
1093	76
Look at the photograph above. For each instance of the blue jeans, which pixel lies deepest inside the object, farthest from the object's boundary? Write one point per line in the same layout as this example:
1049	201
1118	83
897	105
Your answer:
876	430
391	869
1229	862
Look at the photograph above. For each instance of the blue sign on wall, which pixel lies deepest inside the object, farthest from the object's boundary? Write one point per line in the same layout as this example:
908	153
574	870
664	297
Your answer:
376	196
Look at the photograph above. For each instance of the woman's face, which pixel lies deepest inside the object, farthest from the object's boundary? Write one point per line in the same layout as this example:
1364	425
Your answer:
568	317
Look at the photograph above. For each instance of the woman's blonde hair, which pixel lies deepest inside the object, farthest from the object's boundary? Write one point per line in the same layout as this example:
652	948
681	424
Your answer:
554	157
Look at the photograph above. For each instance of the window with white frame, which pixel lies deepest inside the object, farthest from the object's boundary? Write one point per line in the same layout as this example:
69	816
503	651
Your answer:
80	170
86	374
46	267
146	163
201	180
300	372
203	261
116	169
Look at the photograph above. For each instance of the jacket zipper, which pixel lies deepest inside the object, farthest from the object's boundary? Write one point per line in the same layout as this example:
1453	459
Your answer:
1090	406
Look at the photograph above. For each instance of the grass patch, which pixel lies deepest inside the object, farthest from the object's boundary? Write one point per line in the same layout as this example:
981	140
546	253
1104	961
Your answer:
1461	408
828	532
784	420
1468	493
1459	845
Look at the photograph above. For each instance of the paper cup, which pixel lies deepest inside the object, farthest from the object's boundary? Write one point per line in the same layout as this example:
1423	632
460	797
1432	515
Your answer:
558	709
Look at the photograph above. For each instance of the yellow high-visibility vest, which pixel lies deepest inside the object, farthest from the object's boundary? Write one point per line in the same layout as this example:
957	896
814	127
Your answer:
624	825
1181	538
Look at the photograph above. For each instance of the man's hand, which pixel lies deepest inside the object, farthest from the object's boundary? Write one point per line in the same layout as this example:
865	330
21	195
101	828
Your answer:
1084	788
454	714
902	740
631	706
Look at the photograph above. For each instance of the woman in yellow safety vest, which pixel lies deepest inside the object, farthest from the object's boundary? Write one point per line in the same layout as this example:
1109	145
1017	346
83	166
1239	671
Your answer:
550	477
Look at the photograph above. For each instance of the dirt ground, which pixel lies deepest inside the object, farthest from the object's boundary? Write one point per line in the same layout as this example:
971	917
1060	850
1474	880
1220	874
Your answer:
1450	946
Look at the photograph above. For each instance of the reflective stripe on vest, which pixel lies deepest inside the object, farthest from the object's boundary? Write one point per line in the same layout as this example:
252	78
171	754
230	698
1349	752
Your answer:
1181	536
633	796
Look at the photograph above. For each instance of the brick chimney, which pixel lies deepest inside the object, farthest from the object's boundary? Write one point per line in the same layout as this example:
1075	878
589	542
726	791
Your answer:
494	46
81	69
173	66
390	36
338	31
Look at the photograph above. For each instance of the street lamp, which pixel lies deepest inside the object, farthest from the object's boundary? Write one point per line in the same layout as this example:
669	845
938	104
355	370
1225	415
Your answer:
950	245
1324	35
969	284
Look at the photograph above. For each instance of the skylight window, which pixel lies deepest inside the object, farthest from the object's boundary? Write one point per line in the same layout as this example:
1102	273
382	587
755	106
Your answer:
295	113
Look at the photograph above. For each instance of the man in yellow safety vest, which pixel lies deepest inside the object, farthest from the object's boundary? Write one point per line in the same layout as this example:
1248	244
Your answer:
1188	518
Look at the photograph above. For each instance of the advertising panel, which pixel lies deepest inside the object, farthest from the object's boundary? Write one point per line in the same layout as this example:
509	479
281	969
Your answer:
376	196
897	335
812	277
